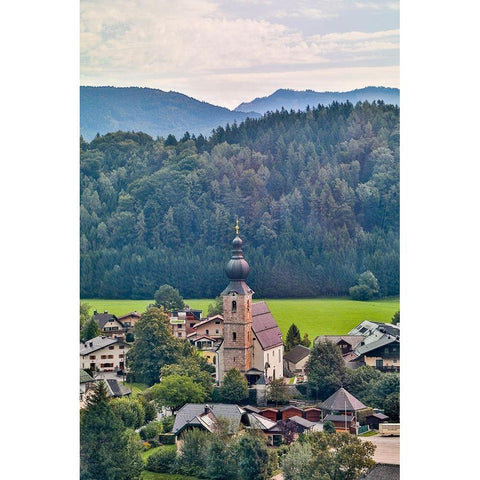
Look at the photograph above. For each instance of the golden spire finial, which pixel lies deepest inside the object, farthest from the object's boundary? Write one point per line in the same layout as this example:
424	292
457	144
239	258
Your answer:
236	227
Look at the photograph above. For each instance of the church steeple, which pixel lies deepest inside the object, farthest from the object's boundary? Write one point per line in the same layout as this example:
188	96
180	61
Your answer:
237	346
237	268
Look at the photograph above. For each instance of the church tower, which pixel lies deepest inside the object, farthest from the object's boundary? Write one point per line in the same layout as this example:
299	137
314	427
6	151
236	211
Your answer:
237	347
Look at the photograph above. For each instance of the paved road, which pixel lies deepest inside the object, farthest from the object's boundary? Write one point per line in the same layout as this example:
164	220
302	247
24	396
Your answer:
388	449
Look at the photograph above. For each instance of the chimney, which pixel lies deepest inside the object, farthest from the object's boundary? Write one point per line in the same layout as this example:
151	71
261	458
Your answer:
207	409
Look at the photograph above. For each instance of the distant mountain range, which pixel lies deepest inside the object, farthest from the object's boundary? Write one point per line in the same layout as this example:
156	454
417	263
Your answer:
299	100
159	113
152	111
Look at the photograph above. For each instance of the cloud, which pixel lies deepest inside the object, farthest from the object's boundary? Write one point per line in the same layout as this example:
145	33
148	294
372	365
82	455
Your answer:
180	44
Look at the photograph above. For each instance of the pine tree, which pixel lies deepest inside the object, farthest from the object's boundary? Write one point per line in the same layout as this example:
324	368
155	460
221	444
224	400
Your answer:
107	450
293	338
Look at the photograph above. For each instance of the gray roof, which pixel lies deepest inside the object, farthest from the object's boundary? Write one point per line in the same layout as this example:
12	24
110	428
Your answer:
192	413
103	318
375	329
341	401
259	422
97	343
85	377
265	327
383	471
302	421
299	352
380	416
381	342
116	389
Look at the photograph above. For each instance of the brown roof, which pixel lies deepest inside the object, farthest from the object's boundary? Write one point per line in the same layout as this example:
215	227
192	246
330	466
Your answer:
299	352
265	327
341	400
352	340
208	320
131	314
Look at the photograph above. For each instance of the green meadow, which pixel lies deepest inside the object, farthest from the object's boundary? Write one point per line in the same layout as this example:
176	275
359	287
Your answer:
315	316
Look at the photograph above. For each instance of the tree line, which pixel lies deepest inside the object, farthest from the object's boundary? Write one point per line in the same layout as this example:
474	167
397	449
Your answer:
316	194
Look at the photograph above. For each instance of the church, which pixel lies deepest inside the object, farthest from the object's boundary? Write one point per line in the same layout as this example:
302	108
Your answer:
252	341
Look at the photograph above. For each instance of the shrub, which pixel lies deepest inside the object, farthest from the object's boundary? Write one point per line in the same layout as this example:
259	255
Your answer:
152	430
167	423
167	439
361	292
162	461
329	427
272	464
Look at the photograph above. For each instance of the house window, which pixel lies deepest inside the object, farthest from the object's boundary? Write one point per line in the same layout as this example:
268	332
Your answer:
179	334
111	347
92	357
216	331
207	331
234	306
110	356
121	347
234	336
217	322
121	355
103	357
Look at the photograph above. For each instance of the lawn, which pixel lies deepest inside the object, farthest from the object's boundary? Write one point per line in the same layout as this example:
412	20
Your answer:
315	316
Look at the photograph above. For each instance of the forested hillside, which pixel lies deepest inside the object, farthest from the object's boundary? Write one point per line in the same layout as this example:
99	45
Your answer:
316	194
299	100
149	110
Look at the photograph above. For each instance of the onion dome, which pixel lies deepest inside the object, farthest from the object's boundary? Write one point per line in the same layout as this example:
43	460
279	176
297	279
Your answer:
237	267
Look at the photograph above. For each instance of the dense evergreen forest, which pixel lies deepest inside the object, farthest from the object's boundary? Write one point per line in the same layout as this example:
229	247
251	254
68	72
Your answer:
316	194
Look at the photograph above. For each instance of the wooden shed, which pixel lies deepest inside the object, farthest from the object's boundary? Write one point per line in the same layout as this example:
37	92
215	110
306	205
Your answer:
270	413
373	421
290	411
313	414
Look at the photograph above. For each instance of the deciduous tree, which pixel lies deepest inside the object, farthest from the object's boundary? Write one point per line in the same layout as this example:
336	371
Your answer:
326	368
174	391
234	388
169	298
154	346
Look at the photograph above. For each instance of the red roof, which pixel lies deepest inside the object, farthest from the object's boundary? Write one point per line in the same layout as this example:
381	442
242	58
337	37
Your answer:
265	327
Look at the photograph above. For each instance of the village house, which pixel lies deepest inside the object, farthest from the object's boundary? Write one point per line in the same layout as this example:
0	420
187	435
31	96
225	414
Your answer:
296	360
182	322
129	320
109	324
370	343
103	354
380	347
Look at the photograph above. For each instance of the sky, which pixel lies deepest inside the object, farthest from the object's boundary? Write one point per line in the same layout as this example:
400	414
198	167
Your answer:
227	52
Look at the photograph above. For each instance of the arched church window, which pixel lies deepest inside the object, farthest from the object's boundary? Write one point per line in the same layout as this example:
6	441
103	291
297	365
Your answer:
234	336
234	306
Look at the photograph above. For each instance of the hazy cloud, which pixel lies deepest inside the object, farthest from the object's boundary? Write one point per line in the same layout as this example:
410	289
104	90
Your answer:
158	42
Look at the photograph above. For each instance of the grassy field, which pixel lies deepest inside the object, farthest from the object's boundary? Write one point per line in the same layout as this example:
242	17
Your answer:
315	316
